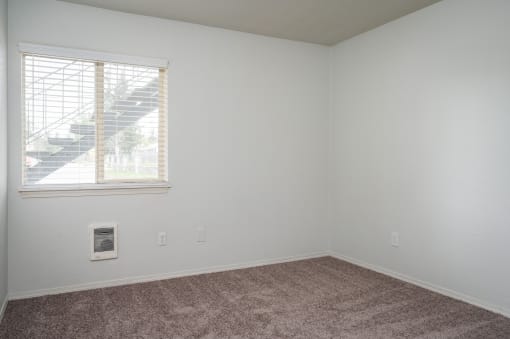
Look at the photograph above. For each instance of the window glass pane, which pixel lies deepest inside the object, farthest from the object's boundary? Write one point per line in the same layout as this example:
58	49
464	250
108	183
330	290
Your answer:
131	117
59	122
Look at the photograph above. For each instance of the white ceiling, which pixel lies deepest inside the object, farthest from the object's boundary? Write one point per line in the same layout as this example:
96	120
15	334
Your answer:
318	21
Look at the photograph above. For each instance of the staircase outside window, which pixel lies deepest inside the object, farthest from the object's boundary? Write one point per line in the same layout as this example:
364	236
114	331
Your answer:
92	122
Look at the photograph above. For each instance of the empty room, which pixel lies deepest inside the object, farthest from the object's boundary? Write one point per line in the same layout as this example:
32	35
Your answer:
254	169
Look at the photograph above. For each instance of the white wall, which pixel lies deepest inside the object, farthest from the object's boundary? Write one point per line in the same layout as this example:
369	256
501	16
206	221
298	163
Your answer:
3	152
247	125
420	144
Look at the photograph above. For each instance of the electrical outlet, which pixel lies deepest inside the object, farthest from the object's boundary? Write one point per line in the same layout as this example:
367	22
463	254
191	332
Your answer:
201	235
395	239
162	238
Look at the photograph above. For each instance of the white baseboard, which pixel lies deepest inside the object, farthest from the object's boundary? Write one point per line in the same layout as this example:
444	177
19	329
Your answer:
3	306
429	286
156	277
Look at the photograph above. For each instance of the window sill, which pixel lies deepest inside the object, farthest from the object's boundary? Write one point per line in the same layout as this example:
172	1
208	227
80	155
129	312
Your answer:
92	189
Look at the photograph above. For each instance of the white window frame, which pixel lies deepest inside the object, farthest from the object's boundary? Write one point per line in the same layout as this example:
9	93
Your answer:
102	187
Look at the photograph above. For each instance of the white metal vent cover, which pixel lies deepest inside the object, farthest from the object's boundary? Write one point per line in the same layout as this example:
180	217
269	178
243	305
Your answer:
103	241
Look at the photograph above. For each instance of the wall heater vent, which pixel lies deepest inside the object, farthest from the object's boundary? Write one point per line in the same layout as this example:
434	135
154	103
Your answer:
103	241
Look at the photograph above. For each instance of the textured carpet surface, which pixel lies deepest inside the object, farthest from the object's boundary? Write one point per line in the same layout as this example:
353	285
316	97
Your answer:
316	298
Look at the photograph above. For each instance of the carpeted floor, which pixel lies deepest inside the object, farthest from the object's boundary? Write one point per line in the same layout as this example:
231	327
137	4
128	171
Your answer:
316	298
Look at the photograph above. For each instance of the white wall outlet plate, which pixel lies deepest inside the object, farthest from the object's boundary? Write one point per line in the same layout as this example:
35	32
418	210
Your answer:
162	238
201	234
395	239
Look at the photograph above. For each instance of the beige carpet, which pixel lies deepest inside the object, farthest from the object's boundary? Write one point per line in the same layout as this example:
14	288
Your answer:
317	298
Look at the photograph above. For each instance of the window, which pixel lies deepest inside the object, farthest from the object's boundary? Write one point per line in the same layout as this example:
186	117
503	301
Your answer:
92	122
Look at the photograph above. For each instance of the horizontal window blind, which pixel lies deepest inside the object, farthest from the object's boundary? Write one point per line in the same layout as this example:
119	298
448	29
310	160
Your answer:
59	121
83	54
93	122
131	119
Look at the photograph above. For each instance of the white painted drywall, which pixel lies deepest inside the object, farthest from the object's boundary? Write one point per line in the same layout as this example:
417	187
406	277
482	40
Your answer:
247	129
420	144
3	152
